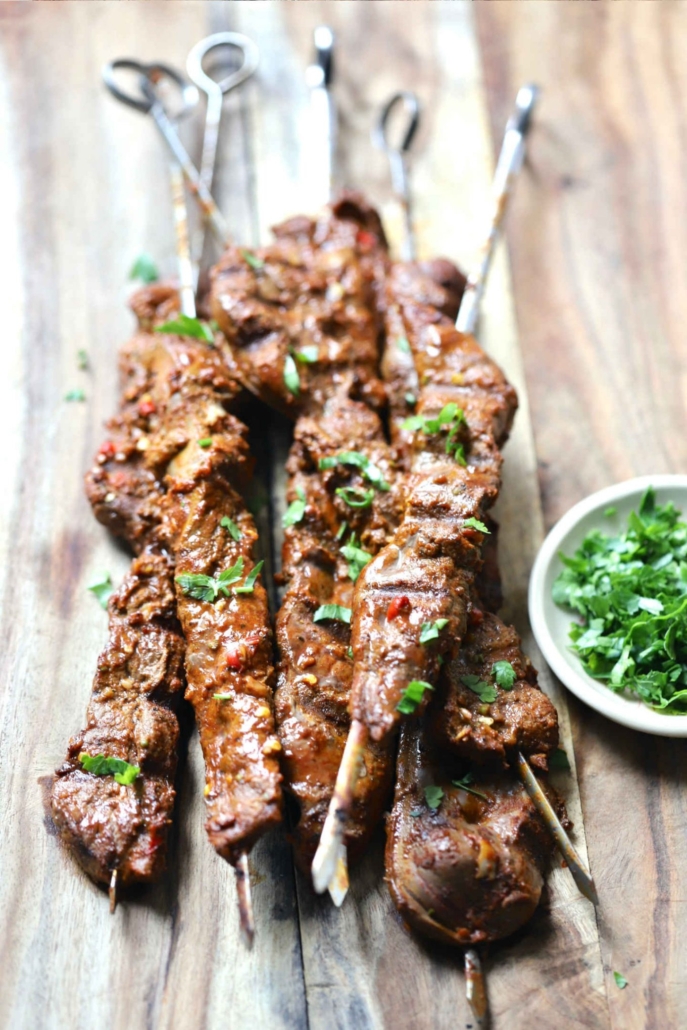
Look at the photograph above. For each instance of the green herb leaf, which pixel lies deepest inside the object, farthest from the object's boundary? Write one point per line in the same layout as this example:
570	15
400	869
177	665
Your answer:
485	691
411	399
296	510
450	417
630	588
222	697
610	512
249	585
504	674
349	653
342	529
433	796
333	611
559	760
183	325
464	784
75	395
357	559
144	269
250	259
291	380
369	470
208	588
102	589
620	980
354	497
82	360
231	575
307	355
205	442
412	696
104	765
476	524
431	630
231	528
403	344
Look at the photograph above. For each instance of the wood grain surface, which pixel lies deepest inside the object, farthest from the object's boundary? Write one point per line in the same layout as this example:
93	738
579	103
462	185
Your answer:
600	302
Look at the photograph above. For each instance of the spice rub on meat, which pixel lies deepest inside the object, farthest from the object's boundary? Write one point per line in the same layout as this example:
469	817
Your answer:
132	717
300	315
466	855
325	544
463	412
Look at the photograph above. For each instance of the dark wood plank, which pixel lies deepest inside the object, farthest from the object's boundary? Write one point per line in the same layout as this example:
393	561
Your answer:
596	238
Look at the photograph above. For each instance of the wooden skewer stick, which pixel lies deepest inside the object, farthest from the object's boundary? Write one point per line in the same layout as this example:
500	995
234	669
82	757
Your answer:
112	892
580	873
475	988
328	854
245	901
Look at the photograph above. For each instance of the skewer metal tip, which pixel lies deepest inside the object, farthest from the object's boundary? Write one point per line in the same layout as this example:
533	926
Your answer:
246	918
475	988
580	873
112	891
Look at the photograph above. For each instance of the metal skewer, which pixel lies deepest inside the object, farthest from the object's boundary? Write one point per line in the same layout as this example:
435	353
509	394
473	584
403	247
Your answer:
151	104
216	90
319	77
189	98
398	160
508	165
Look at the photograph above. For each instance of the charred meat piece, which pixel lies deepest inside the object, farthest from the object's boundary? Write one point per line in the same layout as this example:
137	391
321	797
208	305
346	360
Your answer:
300	315
521	718
222	608
132	716
464	866
321	558
464	412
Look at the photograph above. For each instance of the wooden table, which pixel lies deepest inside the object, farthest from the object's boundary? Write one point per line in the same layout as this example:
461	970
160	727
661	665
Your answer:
592	332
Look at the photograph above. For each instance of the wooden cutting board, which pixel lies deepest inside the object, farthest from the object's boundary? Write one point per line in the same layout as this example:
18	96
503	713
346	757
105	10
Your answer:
84	190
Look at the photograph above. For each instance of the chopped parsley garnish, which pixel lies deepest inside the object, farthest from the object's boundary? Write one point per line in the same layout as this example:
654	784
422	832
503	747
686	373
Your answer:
403	344
431	630
337	612
464	784
369	470
82	360
485	691
620	980
296	510
249	585
349	653
451	417
504	674
291	380
411	399
205	442
307	355
75	395
342	529
231	528
222	697
103	765
476	524
184	325
412	696
250	259
102	589
559	760
356	557
144	268
354	497
208	588
631	591
610	512
433	796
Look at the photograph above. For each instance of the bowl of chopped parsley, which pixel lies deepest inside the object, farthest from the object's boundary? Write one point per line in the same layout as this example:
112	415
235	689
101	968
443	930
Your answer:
608	602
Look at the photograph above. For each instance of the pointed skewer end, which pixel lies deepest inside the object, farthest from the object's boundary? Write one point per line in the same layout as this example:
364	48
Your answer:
475	988
246	918
112	891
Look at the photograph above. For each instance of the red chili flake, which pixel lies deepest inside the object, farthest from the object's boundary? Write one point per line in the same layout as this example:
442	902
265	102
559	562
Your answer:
147	407
108	449
366	239
475	617
399	604
234	656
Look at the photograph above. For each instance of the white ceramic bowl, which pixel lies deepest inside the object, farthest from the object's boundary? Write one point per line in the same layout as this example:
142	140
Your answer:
551	624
